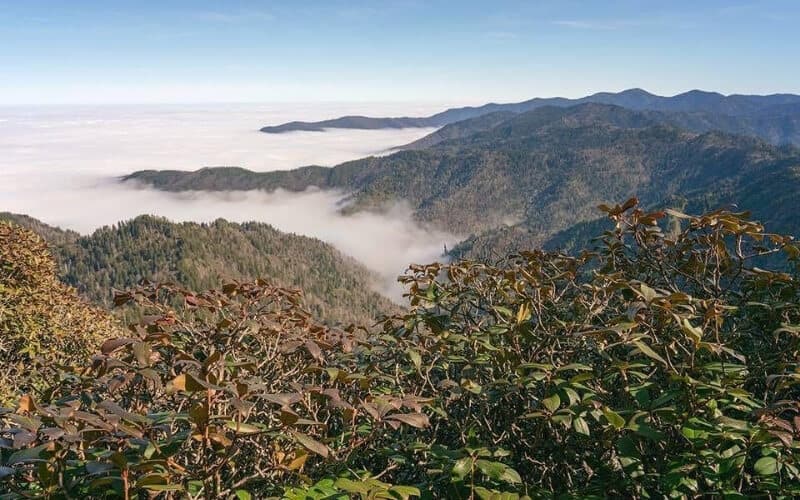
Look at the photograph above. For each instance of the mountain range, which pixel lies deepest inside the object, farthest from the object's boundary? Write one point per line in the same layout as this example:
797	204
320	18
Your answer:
516	180
775	118
507	177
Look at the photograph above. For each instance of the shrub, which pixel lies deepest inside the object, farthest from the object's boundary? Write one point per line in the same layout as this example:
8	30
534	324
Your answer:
228	393
41	319
653	365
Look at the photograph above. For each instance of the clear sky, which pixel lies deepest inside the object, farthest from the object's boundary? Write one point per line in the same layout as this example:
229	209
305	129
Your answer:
130	51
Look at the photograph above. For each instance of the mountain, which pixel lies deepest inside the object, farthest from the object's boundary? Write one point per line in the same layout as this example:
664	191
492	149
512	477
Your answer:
200	256
461	129
351	122
531	176
775	118
779	125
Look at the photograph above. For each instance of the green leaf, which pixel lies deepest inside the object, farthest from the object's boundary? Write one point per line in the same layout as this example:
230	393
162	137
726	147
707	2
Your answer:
26	454
405	491
694	332
647	351
766	466
163	487
194	487
462	467
511	476
5	472
243	495
498	471
93	467
647	293
574	366
472	386
552	403
504	311
351	486
614	418
415	358
580	426
493	470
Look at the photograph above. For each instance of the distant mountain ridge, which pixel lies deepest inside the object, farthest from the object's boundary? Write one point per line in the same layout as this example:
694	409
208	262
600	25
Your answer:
778	113
543	172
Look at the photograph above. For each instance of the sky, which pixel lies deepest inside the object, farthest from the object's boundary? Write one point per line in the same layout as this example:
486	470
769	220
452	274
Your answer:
465	51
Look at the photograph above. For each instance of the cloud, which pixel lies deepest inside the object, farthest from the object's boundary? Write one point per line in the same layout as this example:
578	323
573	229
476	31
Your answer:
116	140
385	242
652	20
59	165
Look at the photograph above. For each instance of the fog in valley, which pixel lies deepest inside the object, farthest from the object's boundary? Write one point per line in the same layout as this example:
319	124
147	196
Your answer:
61	164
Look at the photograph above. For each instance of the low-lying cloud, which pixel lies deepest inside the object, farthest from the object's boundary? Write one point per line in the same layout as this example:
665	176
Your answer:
61	169
116	140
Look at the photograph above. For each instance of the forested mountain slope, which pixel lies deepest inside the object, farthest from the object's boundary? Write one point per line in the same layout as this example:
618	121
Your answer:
778	124
543	171
337	288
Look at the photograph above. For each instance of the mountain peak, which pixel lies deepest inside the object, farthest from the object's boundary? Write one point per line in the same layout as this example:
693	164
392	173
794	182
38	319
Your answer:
637	92
695	93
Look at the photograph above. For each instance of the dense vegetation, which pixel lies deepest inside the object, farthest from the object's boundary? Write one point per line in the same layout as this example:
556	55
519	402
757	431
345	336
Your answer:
774	118
541	172
663	364
337	289
40	318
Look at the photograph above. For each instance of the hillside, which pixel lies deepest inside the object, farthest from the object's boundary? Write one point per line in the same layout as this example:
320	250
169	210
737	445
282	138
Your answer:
774	118
777	125
337	288
542	172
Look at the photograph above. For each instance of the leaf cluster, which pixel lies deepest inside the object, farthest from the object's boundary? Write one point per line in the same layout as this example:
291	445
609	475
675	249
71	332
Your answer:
664	363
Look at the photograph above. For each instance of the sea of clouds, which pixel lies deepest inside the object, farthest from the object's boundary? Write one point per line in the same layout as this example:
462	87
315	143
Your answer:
61	165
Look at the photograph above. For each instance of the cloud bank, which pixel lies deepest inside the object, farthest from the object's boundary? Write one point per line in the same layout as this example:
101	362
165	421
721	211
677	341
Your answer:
59	165
116	140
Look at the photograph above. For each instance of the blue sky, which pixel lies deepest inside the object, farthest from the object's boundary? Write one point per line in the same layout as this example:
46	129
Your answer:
84	51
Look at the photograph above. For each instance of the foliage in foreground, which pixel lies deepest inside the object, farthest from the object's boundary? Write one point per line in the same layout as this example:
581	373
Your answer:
656	365
40	318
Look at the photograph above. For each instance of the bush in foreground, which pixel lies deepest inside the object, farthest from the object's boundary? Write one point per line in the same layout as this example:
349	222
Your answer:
41	320
653	365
